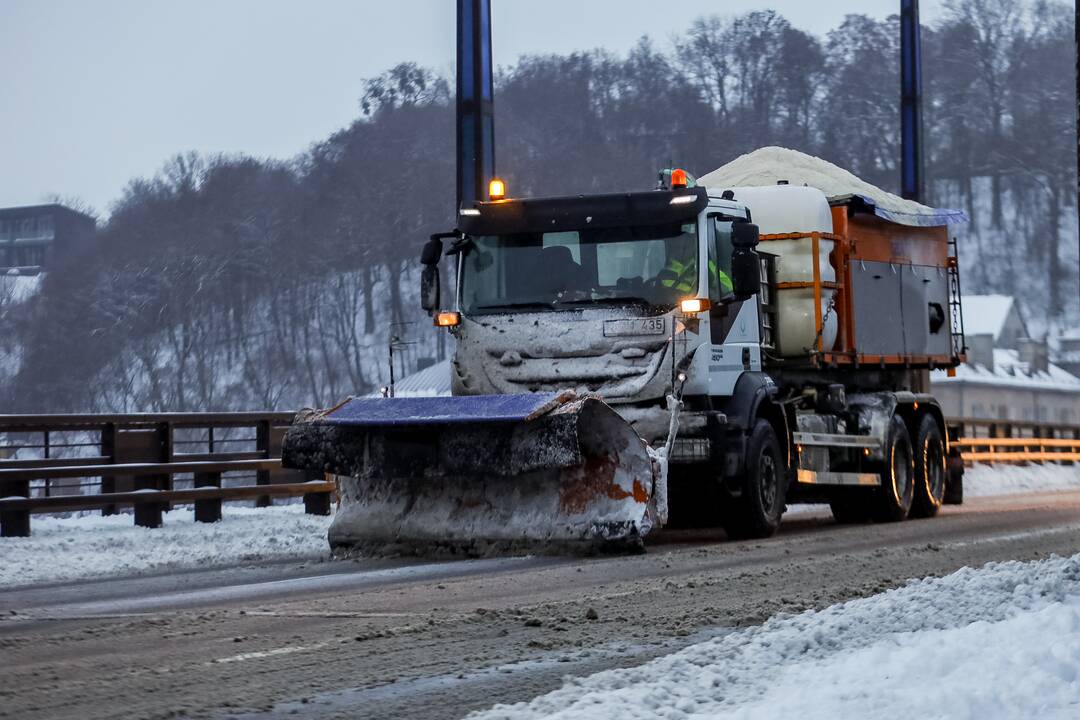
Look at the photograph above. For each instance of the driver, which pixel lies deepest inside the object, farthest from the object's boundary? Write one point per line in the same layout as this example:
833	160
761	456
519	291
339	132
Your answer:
681	272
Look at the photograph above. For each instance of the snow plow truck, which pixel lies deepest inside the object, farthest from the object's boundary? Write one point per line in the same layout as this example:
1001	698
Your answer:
702	353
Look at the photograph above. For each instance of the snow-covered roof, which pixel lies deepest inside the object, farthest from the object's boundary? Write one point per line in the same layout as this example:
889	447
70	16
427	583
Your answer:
1010	371
769	165
986	314
16	288
432	381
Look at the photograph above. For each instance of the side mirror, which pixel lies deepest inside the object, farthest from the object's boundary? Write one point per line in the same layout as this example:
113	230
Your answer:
745	272
430	288
432	252
744	234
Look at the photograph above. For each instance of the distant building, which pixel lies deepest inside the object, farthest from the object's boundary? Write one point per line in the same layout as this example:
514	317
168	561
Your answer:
431	381
34	237
1007	376
995	315
1066	352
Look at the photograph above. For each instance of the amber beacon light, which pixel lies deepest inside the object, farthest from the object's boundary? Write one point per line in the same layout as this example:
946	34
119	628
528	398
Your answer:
496	189
447	318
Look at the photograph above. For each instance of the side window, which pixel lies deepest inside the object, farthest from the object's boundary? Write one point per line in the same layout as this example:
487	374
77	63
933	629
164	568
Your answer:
719	257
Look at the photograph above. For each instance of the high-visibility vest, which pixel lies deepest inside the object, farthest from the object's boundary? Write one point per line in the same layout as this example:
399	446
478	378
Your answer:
683	276
725	280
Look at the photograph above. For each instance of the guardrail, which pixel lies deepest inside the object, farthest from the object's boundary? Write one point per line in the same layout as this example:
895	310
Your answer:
1014	441
142	461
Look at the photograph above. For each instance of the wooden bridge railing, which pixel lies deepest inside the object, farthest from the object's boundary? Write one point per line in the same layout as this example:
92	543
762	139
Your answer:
142	460
1015	441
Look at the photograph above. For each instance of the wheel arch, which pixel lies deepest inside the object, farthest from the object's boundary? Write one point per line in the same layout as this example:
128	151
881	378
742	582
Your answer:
753	398
915	408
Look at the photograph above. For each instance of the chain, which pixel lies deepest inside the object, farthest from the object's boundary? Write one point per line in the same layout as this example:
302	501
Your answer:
824	319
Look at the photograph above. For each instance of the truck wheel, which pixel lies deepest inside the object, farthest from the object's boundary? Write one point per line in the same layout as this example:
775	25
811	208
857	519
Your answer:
954	490
756	513
930	472
897	473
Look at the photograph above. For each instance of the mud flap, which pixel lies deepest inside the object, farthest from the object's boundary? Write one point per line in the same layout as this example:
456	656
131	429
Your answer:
478	475
954	487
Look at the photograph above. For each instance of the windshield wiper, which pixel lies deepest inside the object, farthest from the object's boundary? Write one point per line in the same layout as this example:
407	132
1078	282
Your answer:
618	300
517	306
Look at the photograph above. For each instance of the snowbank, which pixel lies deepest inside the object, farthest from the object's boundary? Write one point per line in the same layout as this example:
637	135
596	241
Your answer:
91	546
998	642
982	480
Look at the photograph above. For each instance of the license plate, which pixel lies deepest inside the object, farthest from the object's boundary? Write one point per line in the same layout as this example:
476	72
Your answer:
636	326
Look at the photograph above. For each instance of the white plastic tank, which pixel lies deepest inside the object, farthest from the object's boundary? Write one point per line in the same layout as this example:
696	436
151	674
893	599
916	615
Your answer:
782	209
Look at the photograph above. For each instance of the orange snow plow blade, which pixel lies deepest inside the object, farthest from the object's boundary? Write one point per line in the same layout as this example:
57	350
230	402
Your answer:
478	475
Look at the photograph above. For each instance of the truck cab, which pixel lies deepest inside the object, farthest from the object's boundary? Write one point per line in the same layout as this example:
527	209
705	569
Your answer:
617	295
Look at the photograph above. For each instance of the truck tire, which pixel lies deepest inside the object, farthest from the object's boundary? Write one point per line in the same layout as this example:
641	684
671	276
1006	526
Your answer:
756	512
954	490
894	497
930	470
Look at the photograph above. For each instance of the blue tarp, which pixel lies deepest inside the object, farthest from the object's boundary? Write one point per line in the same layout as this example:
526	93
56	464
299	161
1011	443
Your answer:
929	217
437	410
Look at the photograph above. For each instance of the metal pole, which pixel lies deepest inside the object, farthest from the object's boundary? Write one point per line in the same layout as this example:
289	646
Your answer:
392	339
911	150
475	98
1076	30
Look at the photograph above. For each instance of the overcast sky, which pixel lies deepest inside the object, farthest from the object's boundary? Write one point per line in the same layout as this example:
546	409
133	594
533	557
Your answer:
93	94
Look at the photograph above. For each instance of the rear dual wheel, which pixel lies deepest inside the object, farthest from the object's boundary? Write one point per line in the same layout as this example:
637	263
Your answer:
930	469
897	490
913	478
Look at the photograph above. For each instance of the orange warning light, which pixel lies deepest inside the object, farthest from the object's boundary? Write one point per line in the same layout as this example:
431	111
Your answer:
496	189
447	318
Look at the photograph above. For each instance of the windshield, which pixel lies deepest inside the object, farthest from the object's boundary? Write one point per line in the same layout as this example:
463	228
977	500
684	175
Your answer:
653	265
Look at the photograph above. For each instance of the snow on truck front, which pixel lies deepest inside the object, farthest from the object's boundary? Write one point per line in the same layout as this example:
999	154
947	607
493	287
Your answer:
577	293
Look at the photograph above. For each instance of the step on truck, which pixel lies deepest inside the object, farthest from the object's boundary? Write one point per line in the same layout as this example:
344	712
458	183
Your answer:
703	353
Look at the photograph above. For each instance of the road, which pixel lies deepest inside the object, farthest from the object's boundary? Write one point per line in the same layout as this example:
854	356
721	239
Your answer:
392	639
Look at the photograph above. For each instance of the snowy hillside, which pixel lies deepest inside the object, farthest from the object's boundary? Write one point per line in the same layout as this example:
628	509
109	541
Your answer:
309	349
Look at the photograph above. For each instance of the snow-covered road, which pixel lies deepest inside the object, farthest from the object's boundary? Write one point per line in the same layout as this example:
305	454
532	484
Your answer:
1002	641
439	640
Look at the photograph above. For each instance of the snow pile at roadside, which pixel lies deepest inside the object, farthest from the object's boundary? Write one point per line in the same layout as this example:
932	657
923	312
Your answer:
90	546
998	642
983	480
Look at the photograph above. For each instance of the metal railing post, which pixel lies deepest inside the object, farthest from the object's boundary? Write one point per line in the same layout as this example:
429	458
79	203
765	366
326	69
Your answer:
209	510
262	444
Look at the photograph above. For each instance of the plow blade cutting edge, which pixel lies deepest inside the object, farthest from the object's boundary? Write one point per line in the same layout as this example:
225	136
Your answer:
479	475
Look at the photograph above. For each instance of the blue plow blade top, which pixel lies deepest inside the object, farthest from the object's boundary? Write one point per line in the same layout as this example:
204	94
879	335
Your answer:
437	410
